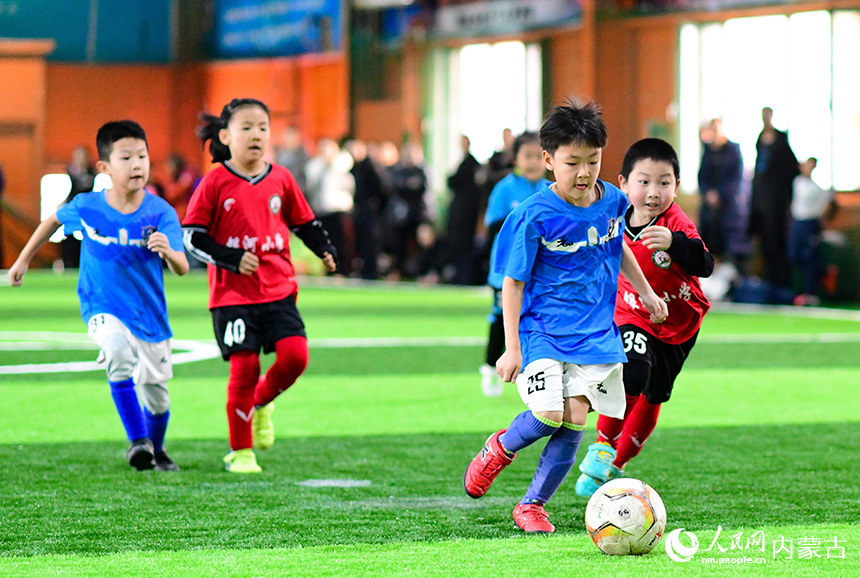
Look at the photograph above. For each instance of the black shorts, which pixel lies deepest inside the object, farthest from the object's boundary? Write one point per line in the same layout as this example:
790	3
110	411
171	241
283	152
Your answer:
252	327
652	365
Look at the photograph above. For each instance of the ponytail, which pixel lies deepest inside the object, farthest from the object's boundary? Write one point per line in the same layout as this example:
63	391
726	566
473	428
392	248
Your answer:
213	125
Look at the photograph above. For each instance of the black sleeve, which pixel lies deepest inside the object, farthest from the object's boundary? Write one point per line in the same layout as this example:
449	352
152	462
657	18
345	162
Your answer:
691	255
493	231
315	238
203	247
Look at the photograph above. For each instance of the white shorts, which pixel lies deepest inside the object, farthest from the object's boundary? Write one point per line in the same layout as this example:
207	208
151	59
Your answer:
153	364
545	383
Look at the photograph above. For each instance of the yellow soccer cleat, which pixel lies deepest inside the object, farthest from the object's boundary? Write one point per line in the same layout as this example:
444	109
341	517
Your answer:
264	431
242	462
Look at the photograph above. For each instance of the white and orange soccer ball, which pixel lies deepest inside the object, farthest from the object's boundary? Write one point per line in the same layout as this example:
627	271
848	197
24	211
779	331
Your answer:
625	516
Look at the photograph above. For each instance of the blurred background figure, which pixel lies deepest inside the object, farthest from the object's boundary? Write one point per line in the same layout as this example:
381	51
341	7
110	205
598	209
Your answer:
501	163
292	155
368	202
775	169
329	189
723	208
82	172
407	208
176	182
811	208
463	210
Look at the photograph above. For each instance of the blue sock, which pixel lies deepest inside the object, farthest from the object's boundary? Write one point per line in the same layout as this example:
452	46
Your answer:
526	429
555	462
156	425
125	400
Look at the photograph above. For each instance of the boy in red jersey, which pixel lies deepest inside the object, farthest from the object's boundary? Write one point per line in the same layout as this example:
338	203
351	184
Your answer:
239	222
672	256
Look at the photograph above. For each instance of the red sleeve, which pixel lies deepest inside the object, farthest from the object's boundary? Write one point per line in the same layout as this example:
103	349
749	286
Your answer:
296	210
202	204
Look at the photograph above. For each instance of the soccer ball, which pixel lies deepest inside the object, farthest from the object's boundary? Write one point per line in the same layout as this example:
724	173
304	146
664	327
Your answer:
625	516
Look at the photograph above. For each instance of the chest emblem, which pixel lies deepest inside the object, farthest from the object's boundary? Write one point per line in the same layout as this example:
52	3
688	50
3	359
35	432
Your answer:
661	259
228	204
275	204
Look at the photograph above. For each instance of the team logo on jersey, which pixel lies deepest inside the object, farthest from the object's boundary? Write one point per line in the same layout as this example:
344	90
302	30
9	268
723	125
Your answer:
661	259
146	232
228	204
275	204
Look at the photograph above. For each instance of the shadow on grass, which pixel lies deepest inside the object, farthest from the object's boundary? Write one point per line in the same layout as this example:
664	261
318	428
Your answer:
82	498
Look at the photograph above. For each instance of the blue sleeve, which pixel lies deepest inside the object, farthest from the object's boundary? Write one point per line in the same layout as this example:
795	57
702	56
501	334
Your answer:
169	225
518	242
499	204
69	214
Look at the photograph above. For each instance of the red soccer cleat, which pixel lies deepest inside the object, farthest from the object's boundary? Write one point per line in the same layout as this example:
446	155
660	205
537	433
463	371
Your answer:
484	468
532	518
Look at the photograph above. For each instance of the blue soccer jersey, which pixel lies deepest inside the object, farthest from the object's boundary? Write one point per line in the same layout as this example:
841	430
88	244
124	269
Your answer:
507	194
569	258
118	274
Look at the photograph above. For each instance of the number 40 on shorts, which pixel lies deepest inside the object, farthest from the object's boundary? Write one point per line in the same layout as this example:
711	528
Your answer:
235	332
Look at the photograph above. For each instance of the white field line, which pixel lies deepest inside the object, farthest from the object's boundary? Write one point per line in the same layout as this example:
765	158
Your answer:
196	350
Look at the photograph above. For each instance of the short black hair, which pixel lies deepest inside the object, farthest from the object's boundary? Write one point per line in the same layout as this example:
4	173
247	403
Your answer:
655	149
523	139
113	131
571	123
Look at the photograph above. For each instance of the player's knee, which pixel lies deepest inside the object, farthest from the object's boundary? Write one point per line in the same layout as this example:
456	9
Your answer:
155	398
637	374
291	355
120	357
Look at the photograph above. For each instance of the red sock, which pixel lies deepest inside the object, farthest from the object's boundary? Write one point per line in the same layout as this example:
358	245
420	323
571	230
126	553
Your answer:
609	428
637	427
244	373
291	359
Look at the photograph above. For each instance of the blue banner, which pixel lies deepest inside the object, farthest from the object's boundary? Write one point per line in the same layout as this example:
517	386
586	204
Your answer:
255	28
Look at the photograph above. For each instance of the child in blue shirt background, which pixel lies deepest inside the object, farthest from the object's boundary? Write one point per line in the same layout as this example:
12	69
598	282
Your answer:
526	180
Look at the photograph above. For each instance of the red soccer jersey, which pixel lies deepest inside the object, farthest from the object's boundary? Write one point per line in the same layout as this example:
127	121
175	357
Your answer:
255	215
681	291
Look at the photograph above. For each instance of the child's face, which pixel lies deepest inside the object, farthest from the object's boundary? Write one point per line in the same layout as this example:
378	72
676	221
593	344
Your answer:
575	167
247	135
529	161
806	168
128	165
652	187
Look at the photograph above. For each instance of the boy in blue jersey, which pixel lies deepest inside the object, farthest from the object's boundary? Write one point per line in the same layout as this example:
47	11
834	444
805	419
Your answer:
512	190
560	252
127	234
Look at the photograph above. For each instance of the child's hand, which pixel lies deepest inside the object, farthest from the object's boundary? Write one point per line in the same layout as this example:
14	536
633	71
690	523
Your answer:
656	307
16	273
509	365
249	263
329	263
655	238
158	242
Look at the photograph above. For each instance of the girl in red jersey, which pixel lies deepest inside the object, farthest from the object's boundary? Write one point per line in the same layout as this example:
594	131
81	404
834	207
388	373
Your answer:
239	222
672	256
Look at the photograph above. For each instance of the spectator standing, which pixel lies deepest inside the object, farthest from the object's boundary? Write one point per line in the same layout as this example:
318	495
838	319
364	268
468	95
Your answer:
293	155
463	214
722	213
368	201
82	173
775	169
810	205
330	189
407	208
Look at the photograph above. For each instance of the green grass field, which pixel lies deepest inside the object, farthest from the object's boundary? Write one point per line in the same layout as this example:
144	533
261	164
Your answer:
762	435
